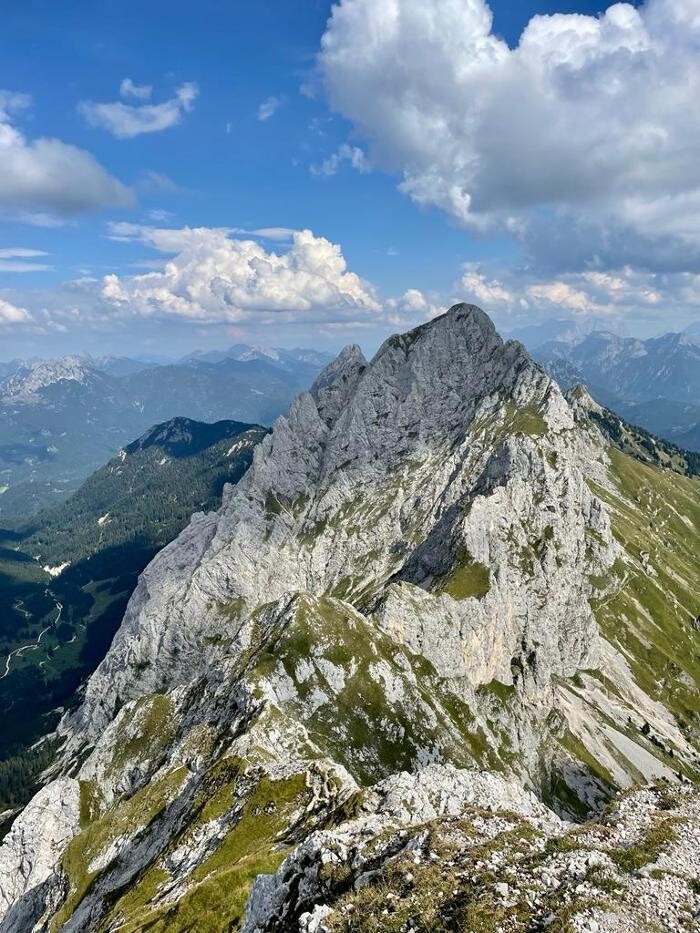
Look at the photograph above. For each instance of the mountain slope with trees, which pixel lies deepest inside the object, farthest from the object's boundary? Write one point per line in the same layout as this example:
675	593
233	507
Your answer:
66	577
62	419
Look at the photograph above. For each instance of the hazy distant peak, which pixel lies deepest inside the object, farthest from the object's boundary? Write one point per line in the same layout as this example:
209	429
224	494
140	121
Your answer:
28	382
243	352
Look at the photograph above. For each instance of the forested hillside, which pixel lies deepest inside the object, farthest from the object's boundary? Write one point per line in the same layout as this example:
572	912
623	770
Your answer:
66	576
144	495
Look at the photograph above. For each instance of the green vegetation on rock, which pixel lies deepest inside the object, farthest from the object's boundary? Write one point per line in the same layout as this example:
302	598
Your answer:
258	814
649	847
144	731
124	819
336	659
468	578
524	420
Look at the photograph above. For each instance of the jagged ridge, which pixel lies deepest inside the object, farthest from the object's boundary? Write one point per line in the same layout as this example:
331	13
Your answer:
415	570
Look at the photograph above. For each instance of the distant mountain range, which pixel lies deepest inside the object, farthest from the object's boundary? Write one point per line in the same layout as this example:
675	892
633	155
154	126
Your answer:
126	365
60	419
278	355
654	383
65	578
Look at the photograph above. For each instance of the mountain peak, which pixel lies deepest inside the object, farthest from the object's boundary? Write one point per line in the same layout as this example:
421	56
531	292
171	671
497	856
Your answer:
464	311
25	384
430	381
337	381
462	318
581	399
182	437
423	572
425	384
349	357
447	398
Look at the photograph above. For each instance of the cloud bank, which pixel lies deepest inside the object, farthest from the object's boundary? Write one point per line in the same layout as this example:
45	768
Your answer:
294	282
212	278
591	124
610	299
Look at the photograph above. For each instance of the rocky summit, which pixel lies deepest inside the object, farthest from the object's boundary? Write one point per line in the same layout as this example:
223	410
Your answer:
432	665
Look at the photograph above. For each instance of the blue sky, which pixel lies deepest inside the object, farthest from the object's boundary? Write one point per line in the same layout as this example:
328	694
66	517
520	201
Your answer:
461	159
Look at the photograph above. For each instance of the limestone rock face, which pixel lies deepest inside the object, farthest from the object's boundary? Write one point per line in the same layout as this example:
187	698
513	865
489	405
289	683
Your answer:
438	593
31	854
450	445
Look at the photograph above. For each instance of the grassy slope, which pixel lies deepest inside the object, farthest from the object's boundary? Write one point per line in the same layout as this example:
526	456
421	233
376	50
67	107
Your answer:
648	605
323	642
641	445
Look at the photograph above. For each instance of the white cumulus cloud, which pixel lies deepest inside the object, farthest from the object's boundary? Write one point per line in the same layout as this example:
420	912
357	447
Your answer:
9	314
626	297
489	292
593	117
43	180
561	295
128	120
212	278
414	307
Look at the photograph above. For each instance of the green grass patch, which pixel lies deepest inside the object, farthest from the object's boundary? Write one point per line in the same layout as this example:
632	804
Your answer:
126	818
525	420
657	838
218	888
467	579
144	731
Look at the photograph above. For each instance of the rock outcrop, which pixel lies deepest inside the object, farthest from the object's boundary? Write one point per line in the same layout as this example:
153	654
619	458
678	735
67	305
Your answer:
466	864
30	857
450	452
